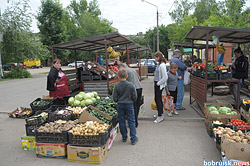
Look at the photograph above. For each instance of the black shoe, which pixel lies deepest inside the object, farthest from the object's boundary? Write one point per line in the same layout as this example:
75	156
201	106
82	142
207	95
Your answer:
124	140
134	142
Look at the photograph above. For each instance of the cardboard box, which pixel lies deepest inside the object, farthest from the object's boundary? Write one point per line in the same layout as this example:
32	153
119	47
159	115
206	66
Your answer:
112	137
85	116
245	115
234	150
219	116
28	143
49	150
86	154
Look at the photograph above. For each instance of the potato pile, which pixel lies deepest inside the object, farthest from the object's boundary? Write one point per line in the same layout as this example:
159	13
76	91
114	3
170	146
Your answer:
238	136
57	126
76	110
92	128
220	130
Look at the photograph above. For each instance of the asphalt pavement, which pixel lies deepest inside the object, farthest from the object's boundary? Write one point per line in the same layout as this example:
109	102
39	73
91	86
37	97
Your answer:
178	140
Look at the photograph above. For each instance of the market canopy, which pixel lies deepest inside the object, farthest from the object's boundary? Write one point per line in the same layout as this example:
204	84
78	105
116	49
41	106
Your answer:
189	45
94	42
131	48
228	35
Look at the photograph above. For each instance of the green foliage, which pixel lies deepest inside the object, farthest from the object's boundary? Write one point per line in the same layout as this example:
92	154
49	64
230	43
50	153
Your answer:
204	8
17	72
177	32
19	42
181	9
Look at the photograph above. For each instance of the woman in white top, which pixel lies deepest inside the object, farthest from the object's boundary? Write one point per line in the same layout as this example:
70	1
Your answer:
160	81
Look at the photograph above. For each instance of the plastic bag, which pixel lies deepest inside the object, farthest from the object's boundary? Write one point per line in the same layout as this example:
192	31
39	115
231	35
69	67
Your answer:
153	105
186	77
168	103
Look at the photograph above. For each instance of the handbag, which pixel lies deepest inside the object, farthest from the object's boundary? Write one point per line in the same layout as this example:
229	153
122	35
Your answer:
168	103
186	77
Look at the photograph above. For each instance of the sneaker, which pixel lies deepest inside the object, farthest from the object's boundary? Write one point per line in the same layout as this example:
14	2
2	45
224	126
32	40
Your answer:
182	108
159	119
175	112
169	113
134	142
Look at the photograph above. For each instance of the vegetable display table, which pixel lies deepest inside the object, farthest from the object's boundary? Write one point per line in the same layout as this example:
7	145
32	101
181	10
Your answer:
198	90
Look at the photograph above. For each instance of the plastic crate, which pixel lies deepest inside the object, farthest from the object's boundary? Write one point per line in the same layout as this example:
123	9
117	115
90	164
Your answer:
245	106
224	76
213	76
90	140
113	122
44	137
54	117
35	108
30	129
59	101
36	120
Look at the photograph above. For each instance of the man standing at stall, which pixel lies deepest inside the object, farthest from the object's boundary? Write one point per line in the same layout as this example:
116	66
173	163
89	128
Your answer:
180	87
134	78
240	70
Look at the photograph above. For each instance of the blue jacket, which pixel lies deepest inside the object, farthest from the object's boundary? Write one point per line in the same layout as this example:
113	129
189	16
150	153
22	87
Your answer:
181	66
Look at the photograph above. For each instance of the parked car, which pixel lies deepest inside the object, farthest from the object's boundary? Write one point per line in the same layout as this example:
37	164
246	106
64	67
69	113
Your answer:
33	63
79	64
151	63
8	66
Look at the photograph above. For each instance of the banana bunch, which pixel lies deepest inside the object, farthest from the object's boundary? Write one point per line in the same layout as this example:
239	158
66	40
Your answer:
114	54
109	49
123	53
220	49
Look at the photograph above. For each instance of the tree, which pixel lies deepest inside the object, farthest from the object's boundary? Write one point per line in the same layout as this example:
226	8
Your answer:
181	9
177	32
82	20
204	8
50	23
19	43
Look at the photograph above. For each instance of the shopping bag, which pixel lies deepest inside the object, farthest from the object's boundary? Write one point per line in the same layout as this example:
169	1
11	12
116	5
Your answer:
186	77
168	103
153	105
142	110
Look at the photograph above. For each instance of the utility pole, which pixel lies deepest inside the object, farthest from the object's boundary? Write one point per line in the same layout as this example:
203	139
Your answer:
157	19
1	67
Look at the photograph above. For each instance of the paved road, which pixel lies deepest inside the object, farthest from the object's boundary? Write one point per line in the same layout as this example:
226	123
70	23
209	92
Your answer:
180	140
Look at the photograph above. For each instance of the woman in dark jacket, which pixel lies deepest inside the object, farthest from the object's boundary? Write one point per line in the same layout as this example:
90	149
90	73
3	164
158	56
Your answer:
240	70
57	83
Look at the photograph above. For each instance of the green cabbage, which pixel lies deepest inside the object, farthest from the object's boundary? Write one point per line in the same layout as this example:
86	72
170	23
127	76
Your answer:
214	112
212	108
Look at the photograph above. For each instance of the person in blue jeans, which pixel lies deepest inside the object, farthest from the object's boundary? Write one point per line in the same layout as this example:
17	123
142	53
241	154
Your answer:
125	95
180	86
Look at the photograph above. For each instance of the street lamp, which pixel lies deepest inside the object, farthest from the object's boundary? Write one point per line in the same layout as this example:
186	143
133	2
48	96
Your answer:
158	49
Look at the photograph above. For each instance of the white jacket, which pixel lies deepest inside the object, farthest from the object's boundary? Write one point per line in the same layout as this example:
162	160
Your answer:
163	76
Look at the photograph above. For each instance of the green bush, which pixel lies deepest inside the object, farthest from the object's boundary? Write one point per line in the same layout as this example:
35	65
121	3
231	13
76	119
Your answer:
17	72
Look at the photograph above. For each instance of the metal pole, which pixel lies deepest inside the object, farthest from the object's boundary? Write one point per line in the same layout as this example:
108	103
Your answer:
139	61
127	55
107	68
1	67
158	47
206	57
53	56
75	59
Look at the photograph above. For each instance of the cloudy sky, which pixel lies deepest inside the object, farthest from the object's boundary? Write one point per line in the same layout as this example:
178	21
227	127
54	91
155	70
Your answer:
128	16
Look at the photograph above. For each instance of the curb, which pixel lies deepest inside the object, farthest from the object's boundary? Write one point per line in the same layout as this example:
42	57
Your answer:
173	119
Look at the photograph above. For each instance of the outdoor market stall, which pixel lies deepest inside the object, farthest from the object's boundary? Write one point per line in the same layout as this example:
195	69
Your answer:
198	86
142	70
229	127
91	44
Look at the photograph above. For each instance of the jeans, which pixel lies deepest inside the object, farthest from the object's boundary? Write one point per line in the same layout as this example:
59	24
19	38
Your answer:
180	93
158	99
137	105
123	111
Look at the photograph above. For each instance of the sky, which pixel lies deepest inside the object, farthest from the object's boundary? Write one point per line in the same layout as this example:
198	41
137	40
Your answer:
128	16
